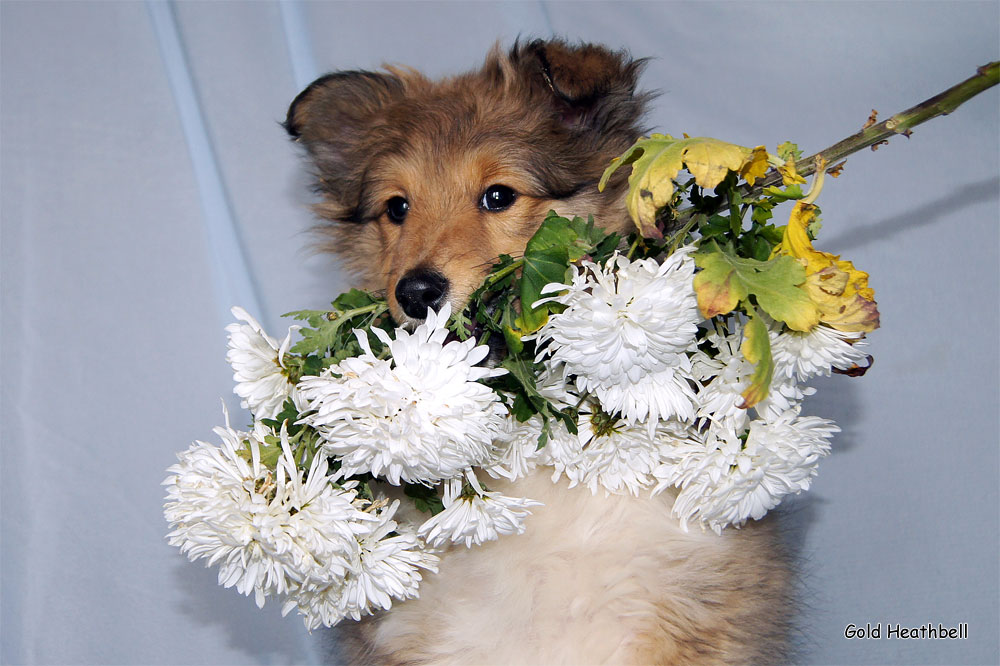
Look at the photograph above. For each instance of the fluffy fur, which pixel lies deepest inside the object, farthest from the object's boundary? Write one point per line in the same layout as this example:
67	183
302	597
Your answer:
594	580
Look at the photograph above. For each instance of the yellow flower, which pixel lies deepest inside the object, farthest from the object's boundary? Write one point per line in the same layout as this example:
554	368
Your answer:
838	289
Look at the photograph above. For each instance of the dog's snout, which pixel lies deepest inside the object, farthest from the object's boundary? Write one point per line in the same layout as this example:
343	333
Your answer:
420	289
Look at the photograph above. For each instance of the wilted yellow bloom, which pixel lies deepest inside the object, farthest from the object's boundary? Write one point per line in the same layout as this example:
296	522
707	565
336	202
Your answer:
789	176
755	165
838	289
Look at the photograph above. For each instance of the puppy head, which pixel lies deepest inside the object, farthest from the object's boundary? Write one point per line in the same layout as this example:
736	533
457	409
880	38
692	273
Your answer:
425	184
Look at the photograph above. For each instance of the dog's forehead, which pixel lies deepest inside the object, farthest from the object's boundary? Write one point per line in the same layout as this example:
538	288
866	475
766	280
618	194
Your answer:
457	120
465	134
431	166
469	140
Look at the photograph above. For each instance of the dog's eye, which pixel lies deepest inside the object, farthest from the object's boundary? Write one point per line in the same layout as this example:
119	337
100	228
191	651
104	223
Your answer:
397	208
497	198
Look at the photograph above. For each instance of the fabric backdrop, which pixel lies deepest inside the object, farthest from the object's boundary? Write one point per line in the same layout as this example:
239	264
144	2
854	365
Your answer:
147	186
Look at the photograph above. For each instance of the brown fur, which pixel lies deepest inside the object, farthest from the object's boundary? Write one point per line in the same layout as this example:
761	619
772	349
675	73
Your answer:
594	579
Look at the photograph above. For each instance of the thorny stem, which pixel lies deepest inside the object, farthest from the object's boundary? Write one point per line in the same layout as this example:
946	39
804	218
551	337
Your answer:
941	104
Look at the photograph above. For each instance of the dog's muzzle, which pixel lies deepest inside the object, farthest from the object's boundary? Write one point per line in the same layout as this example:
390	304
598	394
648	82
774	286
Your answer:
420	289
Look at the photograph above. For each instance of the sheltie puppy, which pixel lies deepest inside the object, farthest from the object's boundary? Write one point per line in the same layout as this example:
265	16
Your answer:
424	185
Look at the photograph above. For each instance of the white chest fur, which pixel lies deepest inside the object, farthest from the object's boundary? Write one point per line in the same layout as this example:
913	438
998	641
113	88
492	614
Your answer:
593	580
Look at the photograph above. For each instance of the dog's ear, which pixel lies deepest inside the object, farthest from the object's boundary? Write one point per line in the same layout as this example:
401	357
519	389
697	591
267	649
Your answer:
332	117
333	106
590	86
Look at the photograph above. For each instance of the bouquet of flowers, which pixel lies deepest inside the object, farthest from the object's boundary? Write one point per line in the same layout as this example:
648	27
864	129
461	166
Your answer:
673	358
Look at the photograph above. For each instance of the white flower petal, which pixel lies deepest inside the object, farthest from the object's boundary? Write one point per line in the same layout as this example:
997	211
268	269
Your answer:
419	416
476	517
258	366
385	566
802	356
624	324
725	481
267	530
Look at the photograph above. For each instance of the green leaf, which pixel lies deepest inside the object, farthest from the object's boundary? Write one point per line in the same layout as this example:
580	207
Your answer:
424	498
568	417
789	150
354	299
365	490
543	437
334	330
773	234
735	218
269	456
577	235
557	243
288	414
604	249
756	348
541	267
589	236
501	276
725	280
524	371
760	249
761	211
714	226
460	324
521	409
319	339
313	317
312	365
790	193
269	451
512	337
812	229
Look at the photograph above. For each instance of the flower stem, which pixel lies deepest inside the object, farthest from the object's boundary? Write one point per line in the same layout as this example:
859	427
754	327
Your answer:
678	238
493	278
635	245
377	308
941	104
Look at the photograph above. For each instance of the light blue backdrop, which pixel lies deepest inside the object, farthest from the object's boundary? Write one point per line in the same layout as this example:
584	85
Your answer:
147	186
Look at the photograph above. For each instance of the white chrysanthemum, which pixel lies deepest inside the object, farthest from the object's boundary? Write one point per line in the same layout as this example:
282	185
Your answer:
474	516
725	481
625	459
258	366
317	601
727	374
656	395
804	355
606	453
267	530
629	324
515	450
385	566
420	417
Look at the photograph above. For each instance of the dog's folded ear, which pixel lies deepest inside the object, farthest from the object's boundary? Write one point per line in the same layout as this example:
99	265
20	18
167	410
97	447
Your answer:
339	103
332	118
589	85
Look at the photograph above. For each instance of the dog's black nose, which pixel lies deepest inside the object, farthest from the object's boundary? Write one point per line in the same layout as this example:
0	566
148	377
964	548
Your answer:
420	289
